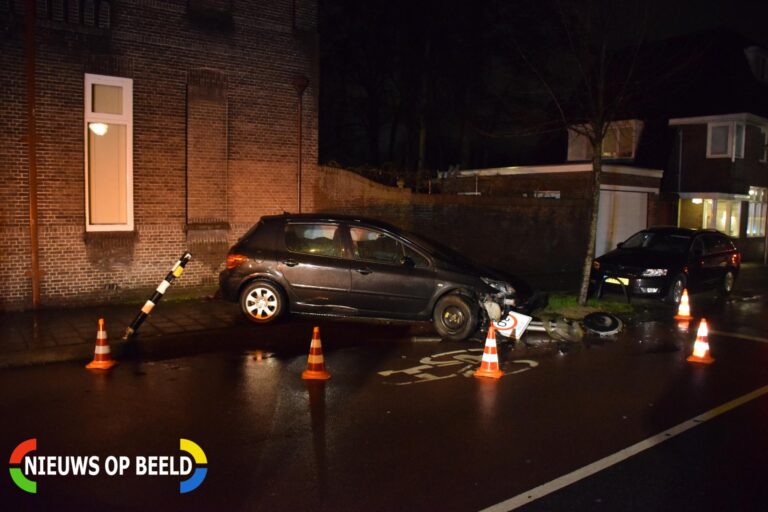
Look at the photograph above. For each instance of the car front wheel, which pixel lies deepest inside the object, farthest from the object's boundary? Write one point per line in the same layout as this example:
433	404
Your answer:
454	318
262	302
675	292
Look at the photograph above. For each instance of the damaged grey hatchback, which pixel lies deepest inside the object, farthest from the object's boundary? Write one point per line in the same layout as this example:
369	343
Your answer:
353	267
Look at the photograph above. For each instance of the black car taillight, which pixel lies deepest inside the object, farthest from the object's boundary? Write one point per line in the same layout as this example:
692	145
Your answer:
235	260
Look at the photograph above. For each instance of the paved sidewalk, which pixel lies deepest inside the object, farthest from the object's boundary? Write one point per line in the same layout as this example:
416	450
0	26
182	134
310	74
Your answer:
50	335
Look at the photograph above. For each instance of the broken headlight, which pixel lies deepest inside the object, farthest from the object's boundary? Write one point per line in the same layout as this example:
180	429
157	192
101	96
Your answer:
501	286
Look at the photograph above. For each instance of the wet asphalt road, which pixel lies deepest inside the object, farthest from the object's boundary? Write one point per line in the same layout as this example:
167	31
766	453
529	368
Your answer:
402	425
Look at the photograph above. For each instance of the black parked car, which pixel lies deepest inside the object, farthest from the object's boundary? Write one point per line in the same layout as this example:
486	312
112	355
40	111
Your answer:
348	266
663	261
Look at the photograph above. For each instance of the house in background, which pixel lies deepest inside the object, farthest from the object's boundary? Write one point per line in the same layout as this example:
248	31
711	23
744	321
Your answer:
137	130
722	177
718	154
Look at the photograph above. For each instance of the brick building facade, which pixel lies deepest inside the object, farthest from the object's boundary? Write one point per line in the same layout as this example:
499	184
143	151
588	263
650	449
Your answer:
204	142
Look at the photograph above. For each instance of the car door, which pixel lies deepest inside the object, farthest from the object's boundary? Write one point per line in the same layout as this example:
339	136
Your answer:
717	258
314	266
389	278
697	271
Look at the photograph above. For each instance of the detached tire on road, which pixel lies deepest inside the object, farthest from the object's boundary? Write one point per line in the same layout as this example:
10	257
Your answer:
454	318
262	302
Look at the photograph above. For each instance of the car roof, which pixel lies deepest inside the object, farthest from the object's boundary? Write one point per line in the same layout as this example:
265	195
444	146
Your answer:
672	230
332	217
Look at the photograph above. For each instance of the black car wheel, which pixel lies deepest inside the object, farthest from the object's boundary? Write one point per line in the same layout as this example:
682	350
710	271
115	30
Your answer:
262	302
454	318
726	286
676	288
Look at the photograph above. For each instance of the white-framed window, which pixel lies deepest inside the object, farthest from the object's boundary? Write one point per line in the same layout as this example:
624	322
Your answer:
738	141
108	133
723	215
719	140
758	207
725	140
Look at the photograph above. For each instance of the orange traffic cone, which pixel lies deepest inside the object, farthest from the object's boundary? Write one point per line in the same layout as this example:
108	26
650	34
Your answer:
701	346
102	355
315	363
684	310
489	367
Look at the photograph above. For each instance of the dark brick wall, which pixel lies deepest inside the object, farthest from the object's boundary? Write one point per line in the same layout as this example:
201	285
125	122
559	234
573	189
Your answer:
702	174
518	234
257	46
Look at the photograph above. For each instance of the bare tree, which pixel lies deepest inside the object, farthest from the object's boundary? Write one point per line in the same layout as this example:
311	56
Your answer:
587	75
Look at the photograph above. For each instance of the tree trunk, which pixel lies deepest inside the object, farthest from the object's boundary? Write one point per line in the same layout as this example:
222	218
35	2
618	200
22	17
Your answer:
597	166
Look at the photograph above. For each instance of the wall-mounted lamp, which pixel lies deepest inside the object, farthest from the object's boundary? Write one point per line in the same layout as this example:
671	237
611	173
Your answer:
697	200
99	129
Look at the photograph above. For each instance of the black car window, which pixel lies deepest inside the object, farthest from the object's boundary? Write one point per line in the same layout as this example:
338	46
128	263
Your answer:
317	239
716	244
697	249
371	245
416	257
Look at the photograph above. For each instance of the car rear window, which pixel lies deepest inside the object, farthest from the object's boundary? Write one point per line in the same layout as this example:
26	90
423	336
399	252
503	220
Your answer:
316	239
714	244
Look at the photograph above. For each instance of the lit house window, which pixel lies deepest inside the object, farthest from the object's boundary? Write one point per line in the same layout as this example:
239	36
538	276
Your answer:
108	153
725	140
723	215
758	205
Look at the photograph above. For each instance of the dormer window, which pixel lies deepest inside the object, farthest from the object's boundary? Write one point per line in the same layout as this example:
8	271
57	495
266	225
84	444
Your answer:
620	142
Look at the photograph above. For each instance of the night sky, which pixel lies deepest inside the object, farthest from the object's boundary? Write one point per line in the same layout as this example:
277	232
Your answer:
409	88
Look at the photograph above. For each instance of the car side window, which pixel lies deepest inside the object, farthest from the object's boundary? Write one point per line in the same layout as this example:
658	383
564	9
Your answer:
418	260
316	239
371	245
713	244
697	249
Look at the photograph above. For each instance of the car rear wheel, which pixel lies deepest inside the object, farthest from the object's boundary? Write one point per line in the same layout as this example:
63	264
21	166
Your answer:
726	286
676	288
262	302
454	318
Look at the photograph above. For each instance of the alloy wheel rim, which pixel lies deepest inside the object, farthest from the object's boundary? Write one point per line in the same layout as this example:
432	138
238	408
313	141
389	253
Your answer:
728	282
678	293
261	303
453	318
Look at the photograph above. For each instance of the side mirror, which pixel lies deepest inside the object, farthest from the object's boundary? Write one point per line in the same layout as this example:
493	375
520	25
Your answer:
407	262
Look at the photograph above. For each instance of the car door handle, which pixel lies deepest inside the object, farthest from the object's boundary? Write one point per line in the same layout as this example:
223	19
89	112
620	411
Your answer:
364	271
290	263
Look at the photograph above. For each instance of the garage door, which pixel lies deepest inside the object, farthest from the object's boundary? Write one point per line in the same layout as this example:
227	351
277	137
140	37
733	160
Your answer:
621	215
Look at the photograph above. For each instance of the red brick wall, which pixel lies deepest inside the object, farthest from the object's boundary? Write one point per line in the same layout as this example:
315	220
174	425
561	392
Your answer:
155	43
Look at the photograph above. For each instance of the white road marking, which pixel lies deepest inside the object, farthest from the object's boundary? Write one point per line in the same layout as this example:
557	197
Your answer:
741	336
620	456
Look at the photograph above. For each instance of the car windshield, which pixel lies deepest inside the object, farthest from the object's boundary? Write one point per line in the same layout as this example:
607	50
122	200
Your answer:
660	242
